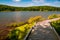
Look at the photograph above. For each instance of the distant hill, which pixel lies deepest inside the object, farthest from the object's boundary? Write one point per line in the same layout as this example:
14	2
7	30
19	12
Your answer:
33	8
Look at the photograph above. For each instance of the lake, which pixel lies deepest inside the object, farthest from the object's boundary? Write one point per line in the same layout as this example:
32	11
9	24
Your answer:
18	16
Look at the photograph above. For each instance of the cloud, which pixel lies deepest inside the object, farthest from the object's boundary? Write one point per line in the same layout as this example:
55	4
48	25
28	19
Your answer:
47	4
38	1
57	3
27	4
16	0
41	2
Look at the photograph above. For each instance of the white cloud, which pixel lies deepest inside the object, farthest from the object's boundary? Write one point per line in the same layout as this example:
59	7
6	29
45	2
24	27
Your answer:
27	5
16	0
47	4
57	3
38	1
41	2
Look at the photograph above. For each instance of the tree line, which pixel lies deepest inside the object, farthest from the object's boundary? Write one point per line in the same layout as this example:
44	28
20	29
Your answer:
33	8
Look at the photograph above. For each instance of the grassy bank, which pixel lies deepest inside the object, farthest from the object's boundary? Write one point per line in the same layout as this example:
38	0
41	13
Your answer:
22	29
56	25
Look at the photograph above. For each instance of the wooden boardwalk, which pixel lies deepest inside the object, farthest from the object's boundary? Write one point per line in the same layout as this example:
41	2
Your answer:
40	33
43	31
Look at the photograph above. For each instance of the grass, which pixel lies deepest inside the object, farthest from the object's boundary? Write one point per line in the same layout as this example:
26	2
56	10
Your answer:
56	25
53	16
22	29
20	32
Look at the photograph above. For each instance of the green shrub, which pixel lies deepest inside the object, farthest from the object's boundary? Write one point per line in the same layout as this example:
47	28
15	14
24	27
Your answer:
19	32
53	16
56	25
34	19
13	35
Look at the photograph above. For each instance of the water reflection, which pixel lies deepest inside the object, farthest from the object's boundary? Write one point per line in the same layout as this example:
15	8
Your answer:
17	16
10	17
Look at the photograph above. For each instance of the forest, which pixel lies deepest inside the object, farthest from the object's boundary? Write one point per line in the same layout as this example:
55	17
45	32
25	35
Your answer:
32	8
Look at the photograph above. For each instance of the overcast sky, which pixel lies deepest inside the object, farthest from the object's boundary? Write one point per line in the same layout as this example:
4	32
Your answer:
26	3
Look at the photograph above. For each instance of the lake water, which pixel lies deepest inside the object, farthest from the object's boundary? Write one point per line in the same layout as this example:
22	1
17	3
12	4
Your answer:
10	17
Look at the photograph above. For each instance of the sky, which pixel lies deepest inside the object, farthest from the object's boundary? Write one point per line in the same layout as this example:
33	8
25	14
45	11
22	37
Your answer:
27	3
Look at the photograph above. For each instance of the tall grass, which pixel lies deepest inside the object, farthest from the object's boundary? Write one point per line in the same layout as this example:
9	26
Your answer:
23	28
56	25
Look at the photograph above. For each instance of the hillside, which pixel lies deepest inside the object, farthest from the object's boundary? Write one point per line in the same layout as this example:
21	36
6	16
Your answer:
33	8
